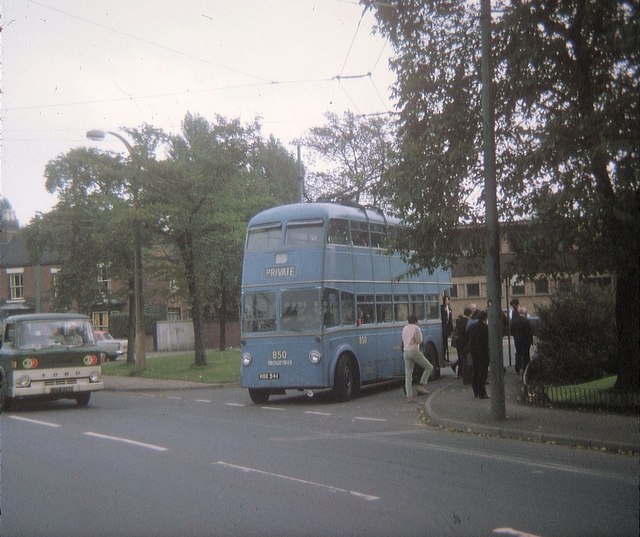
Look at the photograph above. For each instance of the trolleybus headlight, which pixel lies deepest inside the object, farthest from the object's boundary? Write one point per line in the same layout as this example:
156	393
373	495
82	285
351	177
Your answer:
95	376
246	359
314	357
24	381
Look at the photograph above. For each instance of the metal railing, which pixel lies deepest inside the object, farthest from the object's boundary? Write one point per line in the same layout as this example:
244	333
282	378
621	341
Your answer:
579	398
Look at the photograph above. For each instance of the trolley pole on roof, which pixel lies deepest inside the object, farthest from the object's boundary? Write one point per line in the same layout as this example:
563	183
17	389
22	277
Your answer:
492	239
300	177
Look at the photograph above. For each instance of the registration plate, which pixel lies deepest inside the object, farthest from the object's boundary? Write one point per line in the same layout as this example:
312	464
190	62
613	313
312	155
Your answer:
62	389
269	376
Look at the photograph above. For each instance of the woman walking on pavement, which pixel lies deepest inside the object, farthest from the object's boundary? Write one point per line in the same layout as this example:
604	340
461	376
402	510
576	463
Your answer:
411	341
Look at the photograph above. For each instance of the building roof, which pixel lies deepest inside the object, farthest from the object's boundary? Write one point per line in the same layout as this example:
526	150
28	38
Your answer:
16	254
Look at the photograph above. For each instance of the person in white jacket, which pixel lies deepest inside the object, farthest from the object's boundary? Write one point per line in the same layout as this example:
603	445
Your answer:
411	341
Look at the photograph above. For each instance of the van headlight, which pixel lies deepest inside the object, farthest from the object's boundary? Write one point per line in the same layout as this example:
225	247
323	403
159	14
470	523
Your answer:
314	357
247	359
95	376
23	382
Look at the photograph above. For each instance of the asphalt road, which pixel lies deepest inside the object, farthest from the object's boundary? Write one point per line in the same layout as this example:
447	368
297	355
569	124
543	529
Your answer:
209	462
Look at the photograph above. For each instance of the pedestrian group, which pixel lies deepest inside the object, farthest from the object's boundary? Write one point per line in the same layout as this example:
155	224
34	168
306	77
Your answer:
470	337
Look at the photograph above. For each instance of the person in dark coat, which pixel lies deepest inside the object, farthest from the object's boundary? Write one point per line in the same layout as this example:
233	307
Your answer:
461	341
515	306
522	338
446	315
479	348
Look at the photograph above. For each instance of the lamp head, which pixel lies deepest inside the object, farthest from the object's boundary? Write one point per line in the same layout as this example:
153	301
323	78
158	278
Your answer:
96	134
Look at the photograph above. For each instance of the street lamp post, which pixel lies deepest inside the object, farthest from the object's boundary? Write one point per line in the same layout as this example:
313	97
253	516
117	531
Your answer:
140	349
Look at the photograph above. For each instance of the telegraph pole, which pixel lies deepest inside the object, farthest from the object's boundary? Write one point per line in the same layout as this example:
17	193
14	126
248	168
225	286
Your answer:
492	238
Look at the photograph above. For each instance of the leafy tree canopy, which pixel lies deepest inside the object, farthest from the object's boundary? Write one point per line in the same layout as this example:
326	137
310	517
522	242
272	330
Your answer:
567	123
349	155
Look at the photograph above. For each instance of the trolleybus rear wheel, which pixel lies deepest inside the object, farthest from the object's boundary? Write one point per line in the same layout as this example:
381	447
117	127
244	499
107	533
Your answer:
431	354
347	380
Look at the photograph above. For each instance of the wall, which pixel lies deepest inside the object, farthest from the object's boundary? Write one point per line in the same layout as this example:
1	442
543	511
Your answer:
178	335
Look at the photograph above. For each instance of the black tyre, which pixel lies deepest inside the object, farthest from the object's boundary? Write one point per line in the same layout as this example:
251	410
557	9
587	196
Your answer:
259	395
431	354
83	399
5	402
346	383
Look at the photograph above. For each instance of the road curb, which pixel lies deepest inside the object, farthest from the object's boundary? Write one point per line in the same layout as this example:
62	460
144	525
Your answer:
451	424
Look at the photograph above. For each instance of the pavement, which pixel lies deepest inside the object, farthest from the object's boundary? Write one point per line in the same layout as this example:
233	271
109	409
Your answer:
452	406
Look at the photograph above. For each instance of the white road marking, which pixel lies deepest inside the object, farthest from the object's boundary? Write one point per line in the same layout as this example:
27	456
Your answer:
367	497
235	404
272	408
203	400
176	397
37	422
514	533
317	413
369	419
127	441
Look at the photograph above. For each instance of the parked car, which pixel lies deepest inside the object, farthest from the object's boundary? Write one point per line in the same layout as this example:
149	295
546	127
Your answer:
110	346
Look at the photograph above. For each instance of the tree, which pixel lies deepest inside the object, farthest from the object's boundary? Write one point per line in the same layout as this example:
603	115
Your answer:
567	129
350	155
89	186
201	197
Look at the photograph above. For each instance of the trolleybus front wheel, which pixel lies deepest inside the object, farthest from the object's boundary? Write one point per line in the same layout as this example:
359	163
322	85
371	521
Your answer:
259	395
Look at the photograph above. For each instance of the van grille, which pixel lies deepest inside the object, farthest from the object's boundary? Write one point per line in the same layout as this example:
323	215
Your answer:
59	382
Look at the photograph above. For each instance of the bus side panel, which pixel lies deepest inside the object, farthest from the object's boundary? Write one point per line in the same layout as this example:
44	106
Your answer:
390	351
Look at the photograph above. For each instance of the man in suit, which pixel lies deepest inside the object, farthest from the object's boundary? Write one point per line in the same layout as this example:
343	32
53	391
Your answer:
523	339
446	315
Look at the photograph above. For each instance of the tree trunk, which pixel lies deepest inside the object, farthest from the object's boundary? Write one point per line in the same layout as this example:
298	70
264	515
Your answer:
131	326
200	351
223	313
186	247
628	330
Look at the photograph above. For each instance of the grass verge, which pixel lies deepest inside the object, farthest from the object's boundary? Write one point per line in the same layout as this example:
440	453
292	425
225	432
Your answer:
222	367
598	393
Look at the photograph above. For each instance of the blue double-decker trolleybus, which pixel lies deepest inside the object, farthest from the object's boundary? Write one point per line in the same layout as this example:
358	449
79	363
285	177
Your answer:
324	304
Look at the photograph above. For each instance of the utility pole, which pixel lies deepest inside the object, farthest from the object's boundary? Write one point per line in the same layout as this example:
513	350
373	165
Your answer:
492	237
140	336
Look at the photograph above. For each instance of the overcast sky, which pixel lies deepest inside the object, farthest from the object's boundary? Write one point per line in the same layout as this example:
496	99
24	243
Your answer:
69	66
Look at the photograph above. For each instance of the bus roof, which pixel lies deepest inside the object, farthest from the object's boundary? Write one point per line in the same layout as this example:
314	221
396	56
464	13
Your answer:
46	317
309	211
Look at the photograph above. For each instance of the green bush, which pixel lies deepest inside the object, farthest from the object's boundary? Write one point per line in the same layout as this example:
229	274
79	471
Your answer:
119	325
577	336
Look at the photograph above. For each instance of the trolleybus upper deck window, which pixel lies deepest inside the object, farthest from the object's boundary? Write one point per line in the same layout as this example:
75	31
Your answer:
307	233
264	237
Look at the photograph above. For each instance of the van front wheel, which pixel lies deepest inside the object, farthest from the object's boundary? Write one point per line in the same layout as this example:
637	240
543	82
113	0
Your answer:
83	399
5	401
